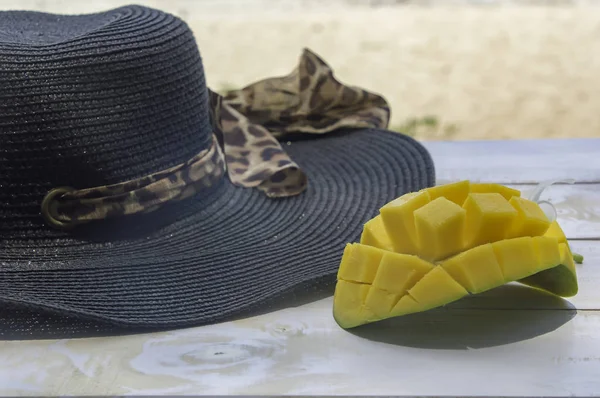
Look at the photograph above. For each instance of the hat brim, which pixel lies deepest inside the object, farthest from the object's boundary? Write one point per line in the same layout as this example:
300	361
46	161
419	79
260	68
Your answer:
218	256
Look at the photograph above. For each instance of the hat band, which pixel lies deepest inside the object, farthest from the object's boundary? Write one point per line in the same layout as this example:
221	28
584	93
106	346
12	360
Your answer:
248	125
66	207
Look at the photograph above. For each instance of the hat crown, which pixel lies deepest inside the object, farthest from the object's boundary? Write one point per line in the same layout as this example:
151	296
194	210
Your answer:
92	100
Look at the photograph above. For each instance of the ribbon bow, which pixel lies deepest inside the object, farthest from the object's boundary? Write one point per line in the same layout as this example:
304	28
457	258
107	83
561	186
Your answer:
309	100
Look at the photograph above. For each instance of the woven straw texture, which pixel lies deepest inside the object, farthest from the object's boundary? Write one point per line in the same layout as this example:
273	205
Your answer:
98	99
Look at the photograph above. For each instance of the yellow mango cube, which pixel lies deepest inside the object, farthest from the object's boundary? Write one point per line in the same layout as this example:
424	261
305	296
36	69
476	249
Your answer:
399	272
547	252
517	257
397	217
488	216
380	302
566	257
374	234
555	231
359	263
561	279
407	305
455	192
531	221
349	304
476	269
437	288
439	225
506	192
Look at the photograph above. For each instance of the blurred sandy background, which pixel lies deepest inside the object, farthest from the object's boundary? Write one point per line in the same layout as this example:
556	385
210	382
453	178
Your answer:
450	69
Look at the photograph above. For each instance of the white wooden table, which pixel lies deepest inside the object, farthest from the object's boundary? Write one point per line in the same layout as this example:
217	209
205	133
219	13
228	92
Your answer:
509	341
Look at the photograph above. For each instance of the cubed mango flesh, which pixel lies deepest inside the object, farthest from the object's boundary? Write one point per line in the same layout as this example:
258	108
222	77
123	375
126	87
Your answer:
488	215
517	257
398	219
397	272
455	192
359	263
380	302
374	234
349	299
435	246
547	252
407	305
476	269
437	288
506	192
560	280
532	221
438	228
555	231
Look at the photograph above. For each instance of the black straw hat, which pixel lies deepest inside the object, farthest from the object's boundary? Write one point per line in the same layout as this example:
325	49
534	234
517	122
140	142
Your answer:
133	196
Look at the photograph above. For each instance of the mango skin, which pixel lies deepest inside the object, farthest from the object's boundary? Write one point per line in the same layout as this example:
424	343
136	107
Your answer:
409	266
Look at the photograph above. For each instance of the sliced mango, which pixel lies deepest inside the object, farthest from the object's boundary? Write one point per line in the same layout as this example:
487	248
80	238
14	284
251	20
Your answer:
359	263
397	272
547	251
488	216
397	217
380	302
436	288
477	269
374	234
407	305
555	231
436	225
532	220
455	192
432	247
560	280
567	257
506	192
352	312
517	257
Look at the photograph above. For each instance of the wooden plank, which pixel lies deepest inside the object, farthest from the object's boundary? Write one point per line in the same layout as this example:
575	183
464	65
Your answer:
517	161
302	351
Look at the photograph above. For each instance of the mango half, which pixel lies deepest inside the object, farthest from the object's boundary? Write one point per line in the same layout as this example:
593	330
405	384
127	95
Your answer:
429	248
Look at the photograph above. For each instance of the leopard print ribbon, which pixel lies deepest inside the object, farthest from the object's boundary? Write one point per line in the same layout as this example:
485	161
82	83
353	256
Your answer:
65	207
248	125
310	100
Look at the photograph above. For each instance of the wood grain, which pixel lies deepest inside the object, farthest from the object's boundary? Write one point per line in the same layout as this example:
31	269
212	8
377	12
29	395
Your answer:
302	351
517	161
